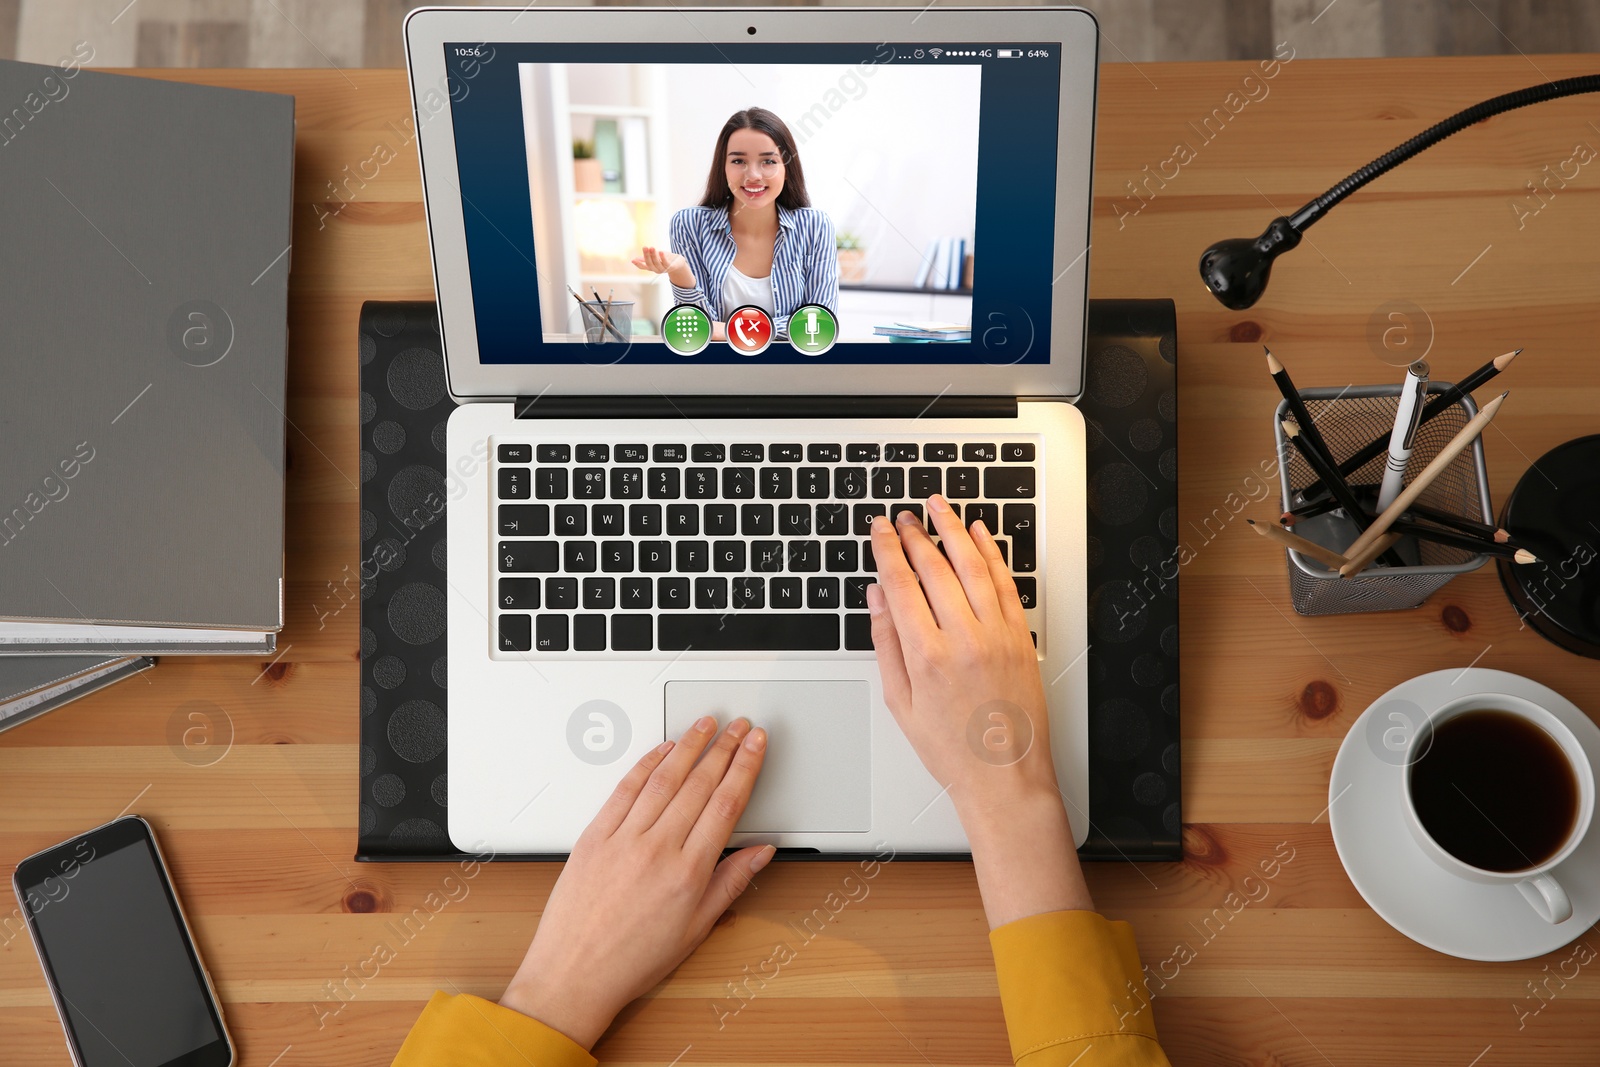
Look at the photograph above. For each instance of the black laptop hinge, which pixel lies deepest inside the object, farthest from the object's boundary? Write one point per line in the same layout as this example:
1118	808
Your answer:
767	407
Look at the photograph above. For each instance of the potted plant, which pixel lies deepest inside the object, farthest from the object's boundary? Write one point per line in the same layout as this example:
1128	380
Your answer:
587	175
852	257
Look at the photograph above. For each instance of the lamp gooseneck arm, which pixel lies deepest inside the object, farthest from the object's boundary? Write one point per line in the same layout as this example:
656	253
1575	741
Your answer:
1534	94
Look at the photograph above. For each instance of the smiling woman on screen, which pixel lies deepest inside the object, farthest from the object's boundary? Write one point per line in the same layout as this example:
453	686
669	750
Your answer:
754	238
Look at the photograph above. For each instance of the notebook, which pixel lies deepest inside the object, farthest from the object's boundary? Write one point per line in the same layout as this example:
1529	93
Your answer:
33	685
144	291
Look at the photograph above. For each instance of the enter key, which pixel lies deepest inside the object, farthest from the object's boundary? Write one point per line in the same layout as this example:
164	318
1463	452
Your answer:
1019	523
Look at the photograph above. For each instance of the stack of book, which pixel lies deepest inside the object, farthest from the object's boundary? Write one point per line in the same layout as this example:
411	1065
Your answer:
925	331
141	482
946	264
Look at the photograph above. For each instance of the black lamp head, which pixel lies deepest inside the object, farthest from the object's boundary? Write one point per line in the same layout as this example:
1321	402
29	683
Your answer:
1236	270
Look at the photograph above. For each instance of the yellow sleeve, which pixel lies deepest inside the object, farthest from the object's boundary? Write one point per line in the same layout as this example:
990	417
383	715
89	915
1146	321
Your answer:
1073	992
468	1031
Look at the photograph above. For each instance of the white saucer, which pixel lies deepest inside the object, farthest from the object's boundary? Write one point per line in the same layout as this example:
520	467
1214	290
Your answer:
1402	884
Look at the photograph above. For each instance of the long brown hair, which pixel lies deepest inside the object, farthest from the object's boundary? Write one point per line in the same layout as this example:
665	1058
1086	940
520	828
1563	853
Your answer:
793	194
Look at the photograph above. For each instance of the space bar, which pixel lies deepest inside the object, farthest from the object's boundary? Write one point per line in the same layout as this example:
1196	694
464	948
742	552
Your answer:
738	632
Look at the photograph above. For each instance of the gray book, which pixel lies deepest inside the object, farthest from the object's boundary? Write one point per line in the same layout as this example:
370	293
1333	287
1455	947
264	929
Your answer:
33	685
143	337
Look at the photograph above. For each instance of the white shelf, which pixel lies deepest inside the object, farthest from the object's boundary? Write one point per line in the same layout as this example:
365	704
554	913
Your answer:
636	198
609	111
642	278
551	156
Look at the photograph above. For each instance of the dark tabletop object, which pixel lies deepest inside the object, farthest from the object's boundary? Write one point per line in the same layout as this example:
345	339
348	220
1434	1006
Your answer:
1554	512
1130	405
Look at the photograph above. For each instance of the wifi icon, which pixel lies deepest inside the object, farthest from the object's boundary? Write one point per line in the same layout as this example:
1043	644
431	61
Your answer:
936	52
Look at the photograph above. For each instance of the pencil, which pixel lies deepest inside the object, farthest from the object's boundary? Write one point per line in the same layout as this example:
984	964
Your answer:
1440	403
1323	504
1417	511
1297	406
605	316
1358	563
1457	539
1453	395
1457	522
1273	532
1341	490
1435	467
605	320
1330	476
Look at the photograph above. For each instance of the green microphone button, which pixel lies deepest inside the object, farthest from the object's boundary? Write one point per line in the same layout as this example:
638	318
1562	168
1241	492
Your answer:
813	329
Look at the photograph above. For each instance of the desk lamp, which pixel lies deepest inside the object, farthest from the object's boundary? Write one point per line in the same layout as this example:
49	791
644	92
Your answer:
1555	508
1236	269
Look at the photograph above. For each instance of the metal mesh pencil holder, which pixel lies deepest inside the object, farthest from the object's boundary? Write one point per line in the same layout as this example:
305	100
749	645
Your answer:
1348	419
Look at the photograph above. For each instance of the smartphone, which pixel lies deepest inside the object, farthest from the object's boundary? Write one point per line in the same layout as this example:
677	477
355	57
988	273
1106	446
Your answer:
117	952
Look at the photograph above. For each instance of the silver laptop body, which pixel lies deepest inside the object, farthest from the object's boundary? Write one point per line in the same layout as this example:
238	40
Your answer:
640	534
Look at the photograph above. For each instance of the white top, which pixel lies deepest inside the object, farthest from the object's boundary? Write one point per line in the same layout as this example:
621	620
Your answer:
739	289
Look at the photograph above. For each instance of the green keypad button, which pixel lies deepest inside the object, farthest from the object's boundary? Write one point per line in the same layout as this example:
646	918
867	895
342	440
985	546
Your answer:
687	329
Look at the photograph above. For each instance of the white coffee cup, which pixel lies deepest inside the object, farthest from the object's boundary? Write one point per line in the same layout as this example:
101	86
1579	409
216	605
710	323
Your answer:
1537	884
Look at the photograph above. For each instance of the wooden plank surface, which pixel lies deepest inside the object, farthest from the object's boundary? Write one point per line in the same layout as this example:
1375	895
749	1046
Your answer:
261	838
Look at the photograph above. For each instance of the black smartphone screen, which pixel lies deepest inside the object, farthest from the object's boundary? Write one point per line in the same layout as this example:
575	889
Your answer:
112	940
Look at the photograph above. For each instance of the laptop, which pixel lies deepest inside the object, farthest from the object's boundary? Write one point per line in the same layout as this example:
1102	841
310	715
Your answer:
712	294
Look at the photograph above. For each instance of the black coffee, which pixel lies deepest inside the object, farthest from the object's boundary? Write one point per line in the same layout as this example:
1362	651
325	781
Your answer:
1495	791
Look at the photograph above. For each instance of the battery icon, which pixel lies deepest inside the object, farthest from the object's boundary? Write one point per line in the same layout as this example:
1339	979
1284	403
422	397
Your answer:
1008	53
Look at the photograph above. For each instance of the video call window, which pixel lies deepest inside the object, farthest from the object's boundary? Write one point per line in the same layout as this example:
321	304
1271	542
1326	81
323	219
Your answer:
797	202
642	176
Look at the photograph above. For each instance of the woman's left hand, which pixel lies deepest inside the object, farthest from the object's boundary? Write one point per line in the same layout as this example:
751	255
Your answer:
643	886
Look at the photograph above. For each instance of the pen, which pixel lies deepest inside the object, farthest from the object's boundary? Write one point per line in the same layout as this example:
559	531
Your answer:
1407	417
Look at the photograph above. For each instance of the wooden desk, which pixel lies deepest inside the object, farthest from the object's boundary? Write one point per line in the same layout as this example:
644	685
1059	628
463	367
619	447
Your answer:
261	838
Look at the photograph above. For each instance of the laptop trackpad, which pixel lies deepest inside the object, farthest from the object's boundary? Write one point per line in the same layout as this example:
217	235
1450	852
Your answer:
818	774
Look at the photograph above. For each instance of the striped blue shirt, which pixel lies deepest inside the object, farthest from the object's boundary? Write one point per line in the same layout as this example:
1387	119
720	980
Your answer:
805	261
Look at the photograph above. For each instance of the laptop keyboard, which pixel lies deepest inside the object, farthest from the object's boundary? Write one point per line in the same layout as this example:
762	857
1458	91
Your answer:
662	548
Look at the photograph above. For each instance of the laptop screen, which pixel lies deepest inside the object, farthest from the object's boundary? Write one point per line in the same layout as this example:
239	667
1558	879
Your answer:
772	202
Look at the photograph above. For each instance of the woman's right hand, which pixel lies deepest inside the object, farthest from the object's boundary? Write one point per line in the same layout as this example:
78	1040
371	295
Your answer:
959	669
674	266
962	679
